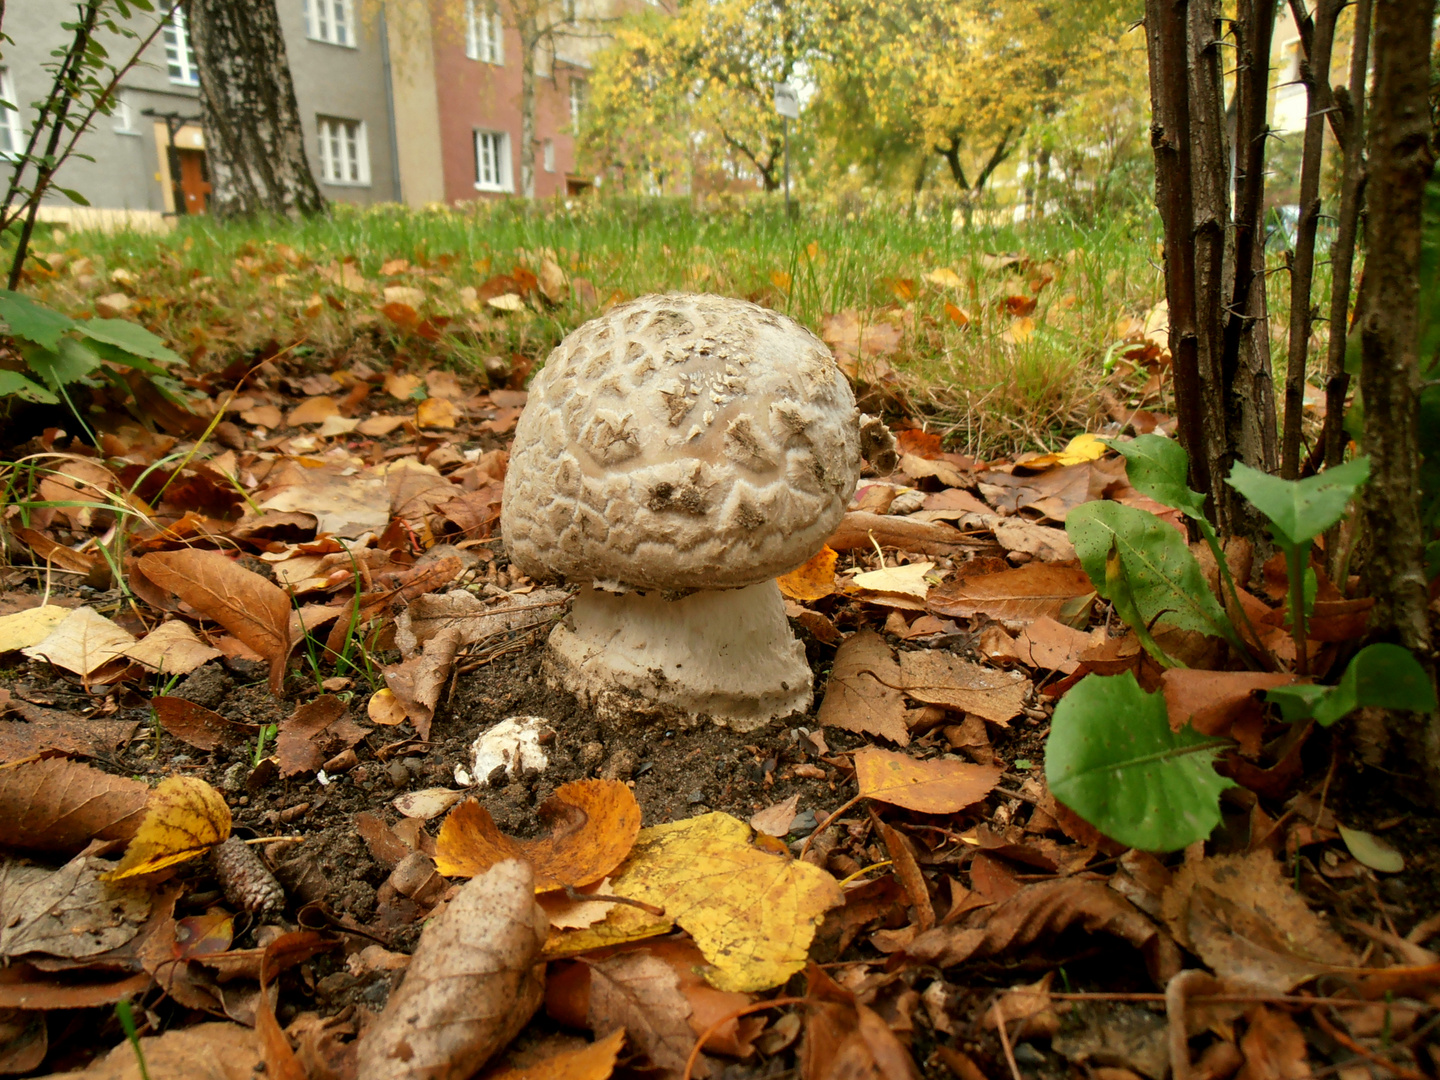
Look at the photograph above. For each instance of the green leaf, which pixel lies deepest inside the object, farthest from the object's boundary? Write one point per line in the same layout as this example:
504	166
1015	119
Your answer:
32	321
72	360
13	384
1112	758
1117	586
131	337
1159	469
73	195
1300	510
1383	676
1164	577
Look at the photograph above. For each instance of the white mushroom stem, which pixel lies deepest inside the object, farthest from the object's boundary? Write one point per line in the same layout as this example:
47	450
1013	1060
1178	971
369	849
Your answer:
729	653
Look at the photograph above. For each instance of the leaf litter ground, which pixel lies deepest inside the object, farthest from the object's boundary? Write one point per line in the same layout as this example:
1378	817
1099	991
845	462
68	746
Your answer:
937	663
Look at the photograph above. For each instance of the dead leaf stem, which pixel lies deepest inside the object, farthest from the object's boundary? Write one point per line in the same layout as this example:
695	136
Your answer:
759	1006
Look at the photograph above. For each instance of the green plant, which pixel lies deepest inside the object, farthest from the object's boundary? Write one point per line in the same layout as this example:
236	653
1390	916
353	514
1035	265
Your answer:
127	1022
1112	754
264	735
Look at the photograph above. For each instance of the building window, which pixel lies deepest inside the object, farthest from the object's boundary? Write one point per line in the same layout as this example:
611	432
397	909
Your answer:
124	116
179	53
484	32
548	155
492	161
1289	63
331	21
12	135
344	152
577	102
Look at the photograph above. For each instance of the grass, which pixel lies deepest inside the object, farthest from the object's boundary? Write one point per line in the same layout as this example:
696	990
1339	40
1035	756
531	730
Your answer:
219	292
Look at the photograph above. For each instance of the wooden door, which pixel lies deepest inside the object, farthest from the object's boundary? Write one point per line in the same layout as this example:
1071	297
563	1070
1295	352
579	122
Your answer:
194	185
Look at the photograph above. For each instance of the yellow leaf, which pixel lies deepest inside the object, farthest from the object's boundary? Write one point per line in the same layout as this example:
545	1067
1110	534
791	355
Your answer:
908	580
594	1061
385	708
30	627
930	787
945	278
813	580
315	410
1019	331
780	279
595	823
812	249
1081	448
752	914
436	412
184	817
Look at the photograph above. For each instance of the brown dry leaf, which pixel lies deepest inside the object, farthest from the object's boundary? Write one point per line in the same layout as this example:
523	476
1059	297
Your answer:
593	1062
1240	914
61	805
812	581
862	531
931	787
775	820
49	729
1220	702
851	339
67	912
845	1039
198	726
255	610
940	678
1273	1048
863	694
640	994
265	416
567	914
377	427
314	733
84	641
315	410
211	1051
908	872
1017	596
341	505
30	627
1041	910
473	983
402	386
418	682
184	817
593	826
172	649
1053	646
955	499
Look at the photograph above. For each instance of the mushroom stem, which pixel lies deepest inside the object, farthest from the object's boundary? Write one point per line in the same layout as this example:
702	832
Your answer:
727	653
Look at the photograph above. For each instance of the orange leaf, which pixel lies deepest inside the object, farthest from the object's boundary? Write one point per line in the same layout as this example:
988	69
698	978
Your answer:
593	1062
930	787
813	580
436	412
402	315
315	410
902	288
255	610
956	315
1020	305
594	823
780	279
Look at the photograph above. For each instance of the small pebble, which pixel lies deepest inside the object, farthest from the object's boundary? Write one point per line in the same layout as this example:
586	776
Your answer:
414	765
399	775
804	822
621	766
592	753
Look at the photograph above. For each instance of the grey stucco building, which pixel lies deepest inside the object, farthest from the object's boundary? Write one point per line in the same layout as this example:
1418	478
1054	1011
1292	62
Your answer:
149	156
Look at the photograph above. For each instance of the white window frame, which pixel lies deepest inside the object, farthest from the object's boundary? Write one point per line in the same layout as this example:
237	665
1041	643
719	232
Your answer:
10	120
332	22
577	102
494	168
484	33
179	53
344	151
124	116
547	155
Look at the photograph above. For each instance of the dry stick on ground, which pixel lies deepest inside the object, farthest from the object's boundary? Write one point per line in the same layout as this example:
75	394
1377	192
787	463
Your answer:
1317	38
1401	159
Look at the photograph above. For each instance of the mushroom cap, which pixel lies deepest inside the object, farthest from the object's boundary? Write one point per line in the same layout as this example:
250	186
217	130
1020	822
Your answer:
681	442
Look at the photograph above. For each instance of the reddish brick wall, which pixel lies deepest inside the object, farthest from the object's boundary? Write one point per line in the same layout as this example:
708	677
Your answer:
475	95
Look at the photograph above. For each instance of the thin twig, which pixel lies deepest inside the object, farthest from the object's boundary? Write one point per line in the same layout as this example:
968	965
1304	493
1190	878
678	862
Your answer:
999	1016
759	1006
1402	1071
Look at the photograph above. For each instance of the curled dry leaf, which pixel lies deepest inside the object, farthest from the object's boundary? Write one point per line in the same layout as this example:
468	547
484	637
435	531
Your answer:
862	695
844	1038
61	805
1217	702
472	985
314	733
593	1062
184	817
1240	914
930	787
594	824
67	912
198	726
385	708
862	531
255	610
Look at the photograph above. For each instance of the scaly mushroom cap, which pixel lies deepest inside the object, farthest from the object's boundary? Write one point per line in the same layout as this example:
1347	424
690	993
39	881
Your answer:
681	442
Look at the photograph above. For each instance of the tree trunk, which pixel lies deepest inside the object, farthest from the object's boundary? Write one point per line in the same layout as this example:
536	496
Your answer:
1400	162
254	143
529	41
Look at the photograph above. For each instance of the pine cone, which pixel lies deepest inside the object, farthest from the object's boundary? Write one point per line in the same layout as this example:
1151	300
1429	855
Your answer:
247	883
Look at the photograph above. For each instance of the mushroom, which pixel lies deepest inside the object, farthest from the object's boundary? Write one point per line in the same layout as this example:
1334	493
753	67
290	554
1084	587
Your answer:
675	456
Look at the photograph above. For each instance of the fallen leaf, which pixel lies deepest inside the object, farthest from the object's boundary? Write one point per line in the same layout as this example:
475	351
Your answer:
1086	447
1017	596
942	786
775	820
851	340
507	302
845	1038
752	913
862	694
84	641
61	805
1240	914
184	817
568	914
640	994
1372	851
436	412
210	1051
315	410
472	985
1053	646
404	294
427	803
198	726
265	416
172	649
594	824
553	282
402	385
22	629
68	912
314	733
377	427
956	315
862	531
945	278
385	708
941	678
908	580
593	1062
255	610
49	729
342	505
1216	702
812	581
1273	1047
